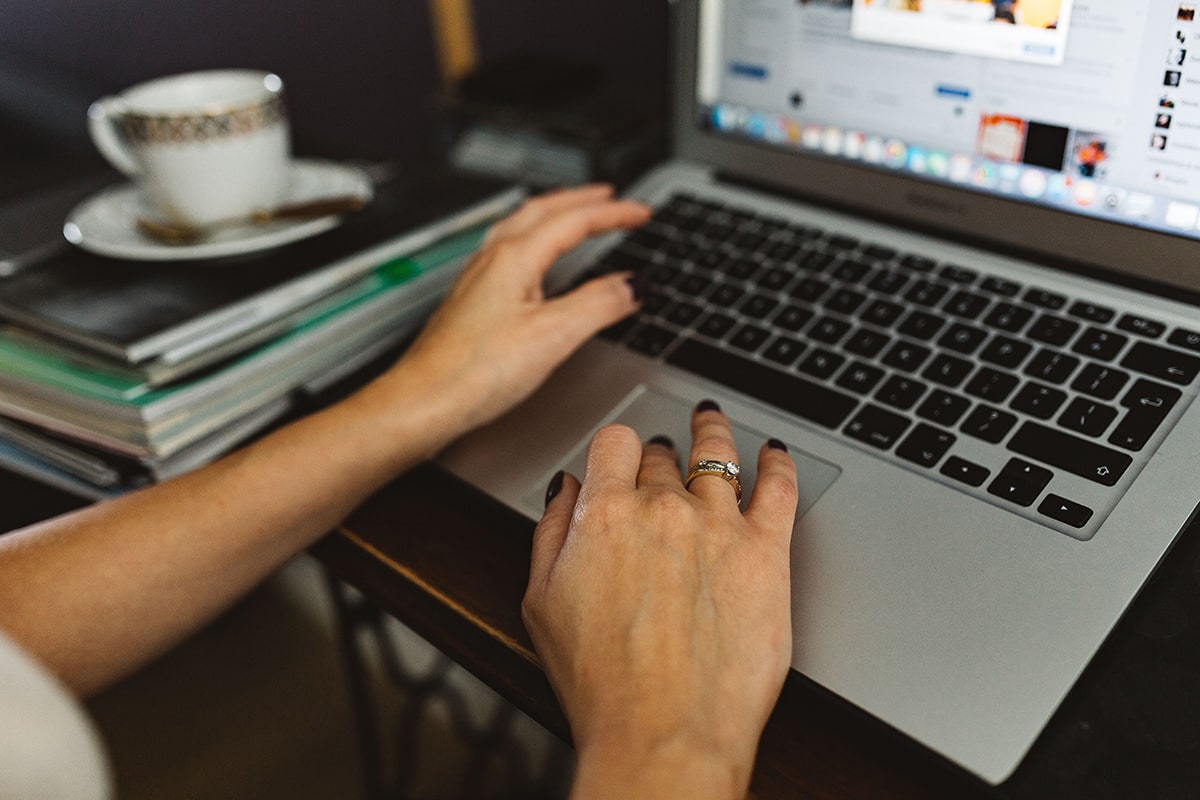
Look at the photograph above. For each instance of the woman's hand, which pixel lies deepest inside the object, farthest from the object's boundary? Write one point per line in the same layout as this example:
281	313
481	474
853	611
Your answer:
663	616
496	337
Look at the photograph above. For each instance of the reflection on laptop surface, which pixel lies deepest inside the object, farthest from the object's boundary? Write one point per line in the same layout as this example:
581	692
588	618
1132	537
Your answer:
940	253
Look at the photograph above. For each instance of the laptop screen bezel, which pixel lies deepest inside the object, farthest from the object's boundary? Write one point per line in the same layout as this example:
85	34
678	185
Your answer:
1049	235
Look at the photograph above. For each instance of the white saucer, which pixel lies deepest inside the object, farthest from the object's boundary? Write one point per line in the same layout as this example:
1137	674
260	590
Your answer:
106	223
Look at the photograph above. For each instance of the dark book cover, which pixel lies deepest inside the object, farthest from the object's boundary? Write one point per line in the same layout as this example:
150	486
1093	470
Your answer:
132	311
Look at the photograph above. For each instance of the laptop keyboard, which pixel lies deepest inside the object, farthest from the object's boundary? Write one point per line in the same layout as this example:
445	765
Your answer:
1032	400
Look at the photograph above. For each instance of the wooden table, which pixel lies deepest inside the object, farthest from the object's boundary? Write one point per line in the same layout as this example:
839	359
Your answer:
452	564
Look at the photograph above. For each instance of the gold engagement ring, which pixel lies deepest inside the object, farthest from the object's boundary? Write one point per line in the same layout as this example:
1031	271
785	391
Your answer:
721	469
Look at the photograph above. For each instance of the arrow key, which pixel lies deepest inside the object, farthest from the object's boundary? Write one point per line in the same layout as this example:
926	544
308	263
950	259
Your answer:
1020	482
1065	511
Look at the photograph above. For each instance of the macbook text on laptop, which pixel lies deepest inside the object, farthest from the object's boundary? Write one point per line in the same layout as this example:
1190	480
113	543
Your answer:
948	251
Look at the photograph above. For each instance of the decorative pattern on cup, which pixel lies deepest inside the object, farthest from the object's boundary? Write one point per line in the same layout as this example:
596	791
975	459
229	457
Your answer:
188	128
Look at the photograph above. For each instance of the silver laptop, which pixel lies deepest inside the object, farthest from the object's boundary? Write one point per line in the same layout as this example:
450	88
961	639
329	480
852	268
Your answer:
946	251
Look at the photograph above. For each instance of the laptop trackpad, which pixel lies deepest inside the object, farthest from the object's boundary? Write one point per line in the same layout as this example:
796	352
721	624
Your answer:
652	412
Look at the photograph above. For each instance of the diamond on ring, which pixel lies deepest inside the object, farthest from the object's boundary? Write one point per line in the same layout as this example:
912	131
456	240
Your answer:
727	470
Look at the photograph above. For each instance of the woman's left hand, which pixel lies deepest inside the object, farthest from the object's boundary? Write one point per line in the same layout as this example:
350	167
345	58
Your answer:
496	337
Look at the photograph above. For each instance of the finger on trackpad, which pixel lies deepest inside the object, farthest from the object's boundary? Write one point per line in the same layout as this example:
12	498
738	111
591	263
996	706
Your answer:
651	412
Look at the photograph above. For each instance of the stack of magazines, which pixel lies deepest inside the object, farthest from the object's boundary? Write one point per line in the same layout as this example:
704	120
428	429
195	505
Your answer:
118	373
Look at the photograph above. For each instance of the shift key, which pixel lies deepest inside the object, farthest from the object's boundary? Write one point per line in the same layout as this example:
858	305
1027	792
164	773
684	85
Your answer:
1071	453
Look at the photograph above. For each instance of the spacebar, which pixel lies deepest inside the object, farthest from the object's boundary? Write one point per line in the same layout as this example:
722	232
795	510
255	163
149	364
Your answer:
801	397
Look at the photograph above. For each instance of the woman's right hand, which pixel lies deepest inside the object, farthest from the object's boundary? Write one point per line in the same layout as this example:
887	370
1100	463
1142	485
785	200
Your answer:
662	616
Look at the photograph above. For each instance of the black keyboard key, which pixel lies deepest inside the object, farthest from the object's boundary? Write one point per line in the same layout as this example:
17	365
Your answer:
709	259
1091	312
1181	337
1065	511
692	285
624	258
845	301
841	243
725	295
992	384
816	260
810	401
829	330
1051	366
749	337
951	272
964	471
1005	352
793	318
1038	400
1100	381
877	427
742	269
851	271
907	356
650	339
682	314
967	305
1100	344
1141	326
780	251
962	338
899	392
888	281
943	407
810	290
1069	452
882	313
1087	416
1020	482
1000	286
774	279
660	274
784	350
1052	330
988	423
859	378
1008	317
926	293
920	325
758	306
879	252
866	342
821	363
1148	403
653	303
917	263
1160	362
716	325
947	370
1045	299
926	445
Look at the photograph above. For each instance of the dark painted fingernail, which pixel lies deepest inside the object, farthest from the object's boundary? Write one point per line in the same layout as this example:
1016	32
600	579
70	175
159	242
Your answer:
707	405
637	285
556	484
665	441
775	444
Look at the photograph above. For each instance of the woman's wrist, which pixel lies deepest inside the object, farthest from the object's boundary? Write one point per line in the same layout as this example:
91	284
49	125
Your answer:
682	766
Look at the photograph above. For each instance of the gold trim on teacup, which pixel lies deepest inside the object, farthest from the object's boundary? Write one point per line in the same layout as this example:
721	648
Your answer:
202	127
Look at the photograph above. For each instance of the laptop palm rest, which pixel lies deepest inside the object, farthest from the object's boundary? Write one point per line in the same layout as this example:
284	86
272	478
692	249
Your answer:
652	412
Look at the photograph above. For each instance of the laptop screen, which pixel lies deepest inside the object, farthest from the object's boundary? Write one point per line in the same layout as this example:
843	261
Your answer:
1088	106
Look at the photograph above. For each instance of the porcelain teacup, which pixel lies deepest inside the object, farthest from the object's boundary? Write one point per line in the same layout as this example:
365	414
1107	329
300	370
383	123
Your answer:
204	147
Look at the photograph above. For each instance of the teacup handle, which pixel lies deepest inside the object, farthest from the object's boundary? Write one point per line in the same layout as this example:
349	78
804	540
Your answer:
102	125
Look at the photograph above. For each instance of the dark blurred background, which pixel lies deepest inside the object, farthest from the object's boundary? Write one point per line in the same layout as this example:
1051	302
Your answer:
361	75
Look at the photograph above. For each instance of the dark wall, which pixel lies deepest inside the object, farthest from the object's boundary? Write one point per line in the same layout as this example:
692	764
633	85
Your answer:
359	72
